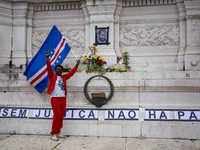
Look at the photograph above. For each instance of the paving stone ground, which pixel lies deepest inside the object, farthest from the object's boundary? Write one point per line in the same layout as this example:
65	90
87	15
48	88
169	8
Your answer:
43	142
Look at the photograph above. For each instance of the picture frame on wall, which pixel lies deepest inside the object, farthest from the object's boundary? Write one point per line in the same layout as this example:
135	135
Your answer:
101	36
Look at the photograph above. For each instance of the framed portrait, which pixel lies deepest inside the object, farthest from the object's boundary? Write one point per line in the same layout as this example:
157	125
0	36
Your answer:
101	35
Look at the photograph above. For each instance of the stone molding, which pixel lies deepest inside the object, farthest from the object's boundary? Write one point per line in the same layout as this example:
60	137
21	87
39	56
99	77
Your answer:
139	3
57	6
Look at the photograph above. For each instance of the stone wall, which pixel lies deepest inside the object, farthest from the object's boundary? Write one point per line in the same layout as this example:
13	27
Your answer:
148	30
160	98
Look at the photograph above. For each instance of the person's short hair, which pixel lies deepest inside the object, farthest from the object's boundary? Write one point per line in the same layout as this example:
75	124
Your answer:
102	30
59	66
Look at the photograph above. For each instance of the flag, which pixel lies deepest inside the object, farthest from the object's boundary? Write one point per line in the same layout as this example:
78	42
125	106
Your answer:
36	71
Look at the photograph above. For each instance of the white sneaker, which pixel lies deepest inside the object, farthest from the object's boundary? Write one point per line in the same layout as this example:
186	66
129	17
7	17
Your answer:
54	137
59	135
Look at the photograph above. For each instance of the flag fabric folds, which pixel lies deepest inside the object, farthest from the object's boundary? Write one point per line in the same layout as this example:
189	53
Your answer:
36	71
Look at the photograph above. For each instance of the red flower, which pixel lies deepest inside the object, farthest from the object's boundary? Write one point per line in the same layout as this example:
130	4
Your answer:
100	61
119	58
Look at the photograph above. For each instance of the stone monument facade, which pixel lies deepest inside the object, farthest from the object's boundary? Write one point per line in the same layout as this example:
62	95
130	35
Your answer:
156	99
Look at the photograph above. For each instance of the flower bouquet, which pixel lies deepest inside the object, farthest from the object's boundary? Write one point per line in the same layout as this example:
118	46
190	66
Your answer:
122	64
93	62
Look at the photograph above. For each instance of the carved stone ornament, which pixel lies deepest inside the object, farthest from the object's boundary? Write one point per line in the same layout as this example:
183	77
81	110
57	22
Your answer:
74	37
149	36
99	102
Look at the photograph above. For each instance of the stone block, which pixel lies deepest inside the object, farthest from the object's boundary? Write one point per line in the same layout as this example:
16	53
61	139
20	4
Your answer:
6	34
138	144
26	126
97	143
192	62
170	130
113	130
19	43
18	62
4	76
77	99
131	129
80	128
124	99
24	99
169	100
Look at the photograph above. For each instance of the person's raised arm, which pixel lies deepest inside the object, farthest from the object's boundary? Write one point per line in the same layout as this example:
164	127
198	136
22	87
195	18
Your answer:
72	72
49	68
47	55
77	63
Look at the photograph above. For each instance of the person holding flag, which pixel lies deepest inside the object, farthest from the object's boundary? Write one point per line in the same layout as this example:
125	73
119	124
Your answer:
58	90
38	71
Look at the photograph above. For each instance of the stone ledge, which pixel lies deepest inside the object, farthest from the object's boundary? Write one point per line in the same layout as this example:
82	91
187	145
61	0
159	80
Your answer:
128	81
92	128
135	75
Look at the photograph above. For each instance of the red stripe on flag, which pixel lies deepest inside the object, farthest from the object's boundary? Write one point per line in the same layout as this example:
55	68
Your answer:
43	72
58	50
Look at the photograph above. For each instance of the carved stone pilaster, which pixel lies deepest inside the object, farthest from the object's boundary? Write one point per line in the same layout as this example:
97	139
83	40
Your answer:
28	51
87	25
182	30
101	14
116	28
192	54
20	12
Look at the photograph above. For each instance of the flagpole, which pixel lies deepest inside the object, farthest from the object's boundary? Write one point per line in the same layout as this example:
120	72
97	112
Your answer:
74	54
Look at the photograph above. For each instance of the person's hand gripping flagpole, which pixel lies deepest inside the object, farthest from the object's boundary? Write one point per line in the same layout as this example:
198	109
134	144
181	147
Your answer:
78	60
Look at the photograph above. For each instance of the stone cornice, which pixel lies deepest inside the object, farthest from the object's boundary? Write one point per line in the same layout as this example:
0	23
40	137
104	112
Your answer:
139	3
57	6
45	1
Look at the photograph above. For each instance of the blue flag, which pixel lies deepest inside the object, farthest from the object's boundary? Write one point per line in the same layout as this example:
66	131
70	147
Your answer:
36	71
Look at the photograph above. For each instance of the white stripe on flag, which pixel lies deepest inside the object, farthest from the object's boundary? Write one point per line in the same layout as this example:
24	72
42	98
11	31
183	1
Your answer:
37	73
44	67
40	79
56	49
